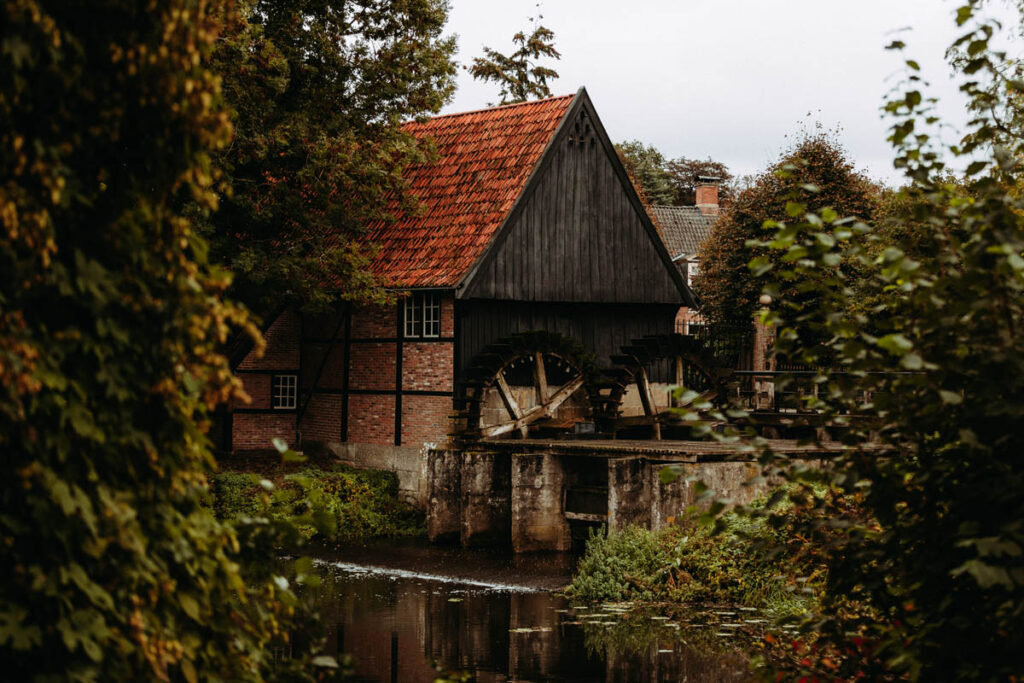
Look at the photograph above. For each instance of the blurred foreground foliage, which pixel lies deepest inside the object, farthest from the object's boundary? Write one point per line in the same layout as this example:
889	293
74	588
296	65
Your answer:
112	323
914	325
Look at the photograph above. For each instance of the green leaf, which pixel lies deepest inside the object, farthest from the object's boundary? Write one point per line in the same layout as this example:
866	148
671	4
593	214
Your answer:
668	474
14	632
895	344
325	661
189	605
760	265
976	167
912	361
795	209
985	574
952	398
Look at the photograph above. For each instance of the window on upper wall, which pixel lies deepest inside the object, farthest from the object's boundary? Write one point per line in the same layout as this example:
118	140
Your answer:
422	315
284	392
692	267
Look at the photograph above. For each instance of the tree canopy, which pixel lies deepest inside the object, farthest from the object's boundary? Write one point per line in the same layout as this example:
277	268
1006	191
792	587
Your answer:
317	93
727	289
671	182
520	75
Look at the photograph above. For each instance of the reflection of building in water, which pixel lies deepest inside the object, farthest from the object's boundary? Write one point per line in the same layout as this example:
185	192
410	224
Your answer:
397	629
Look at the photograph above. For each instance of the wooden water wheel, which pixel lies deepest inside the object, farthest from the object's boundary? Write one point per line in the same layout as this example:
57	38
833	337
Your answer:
690	364
528	382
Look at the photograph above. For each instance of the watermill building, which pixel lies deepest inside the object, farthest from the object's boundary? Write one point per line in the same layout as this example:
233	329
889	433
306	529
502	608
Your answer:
530	263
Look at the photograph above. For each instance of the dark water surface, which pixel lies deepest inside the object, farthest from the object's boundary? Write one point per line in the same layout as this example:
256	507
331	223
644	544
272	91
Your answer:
402	608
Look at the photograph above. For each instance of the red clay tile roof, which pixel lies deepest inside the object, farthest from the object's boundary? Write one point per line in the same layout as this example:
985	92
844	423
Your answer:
485	160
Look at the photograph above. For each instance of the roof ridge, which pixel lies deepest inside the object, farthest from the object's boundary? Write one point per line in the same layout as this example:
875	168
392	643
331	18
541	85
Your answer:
688	207
482	110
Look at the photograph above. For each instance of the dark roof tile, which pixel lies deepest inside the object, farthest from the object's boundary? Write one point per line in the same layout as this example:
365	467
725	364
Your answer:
683	228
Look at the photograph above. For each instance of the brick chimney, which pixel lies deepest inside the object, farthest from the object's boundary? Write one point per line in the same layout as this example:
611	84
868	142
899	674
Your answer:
707	194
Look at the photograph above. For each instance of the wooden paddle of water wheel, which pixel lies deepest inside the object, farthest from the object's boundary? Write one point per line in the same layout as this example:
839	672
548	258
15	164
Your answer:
528	384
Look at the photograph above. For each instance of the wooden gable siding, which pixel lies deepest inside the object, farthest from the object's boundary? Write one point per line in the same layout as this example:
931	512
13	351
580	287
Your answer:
578	233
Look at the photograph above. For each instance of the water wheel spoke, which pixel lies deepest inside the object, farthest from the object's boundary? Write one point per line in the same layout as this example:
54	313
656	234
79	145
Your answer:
509	399
540	377
537	412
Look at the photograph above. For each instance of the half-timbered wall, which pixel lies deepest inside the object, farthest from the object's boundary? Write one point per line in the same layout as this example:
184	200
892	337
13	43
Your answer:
256	424
360	380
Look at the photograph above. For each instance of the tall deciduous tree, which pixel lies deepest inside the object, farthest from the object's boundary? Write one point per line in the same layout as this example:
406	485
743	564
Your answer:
520	75
111	324
727	289
318	91
683	173
672	182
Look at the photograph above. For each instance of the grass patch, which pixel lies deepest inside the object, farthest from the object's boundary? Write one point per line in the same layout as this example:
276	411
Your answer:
362	504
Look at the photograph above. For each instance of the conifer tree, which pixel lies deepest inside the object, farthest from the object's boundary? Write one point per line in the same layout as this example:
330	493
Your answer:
520	74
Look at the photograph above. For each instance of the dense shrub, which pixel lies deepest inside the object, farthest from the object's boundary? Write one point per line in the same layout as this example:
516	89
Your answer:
361	503
621	566
737	563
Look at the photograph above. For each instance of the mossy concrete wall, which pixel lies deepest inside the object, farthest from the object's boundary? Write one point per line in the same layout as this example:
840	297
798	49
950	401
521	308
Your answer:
503	497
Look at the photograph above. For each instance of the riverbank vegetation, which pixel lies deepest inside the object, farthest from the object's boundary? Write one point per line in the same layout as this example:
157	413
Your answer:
743	560
360	504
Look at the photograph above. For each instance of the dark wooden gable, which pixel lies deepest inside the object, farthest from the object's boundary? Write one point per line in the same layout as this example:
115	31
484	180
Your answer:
578	232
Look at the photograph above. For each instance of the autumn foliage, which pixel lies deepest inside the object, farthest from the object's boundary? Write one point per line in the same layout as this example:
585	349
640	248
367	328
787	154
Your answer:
815	170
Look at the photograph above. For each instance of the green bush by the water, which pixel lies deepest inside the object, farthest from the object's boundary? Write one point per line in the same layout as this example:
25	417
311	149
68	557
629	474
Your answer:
363	503
688	562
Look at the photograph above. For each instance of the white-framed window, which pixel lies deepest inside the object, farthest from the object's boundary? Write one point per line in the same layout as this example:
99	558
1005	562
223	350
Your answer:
284	392
422	315
692	267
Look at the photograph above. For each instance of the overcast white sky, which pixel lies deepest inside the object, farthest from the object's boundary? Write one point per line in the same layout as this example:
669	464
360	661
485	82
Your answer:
729	79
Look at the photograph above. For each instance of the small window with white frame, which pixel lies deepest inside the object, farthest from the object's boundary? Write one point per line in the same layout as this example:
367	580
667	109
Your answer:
422	315
692	267
284	392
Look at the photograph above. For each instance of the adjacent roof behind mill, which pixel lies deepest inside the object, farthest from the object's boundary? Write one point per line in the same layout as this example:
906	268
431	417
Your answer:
683	228
486	158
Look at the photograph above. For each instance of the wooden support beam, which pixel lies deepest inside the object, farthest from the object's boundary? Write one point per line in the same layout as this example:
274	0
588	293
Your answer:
511	405
677	368
647	400
540	376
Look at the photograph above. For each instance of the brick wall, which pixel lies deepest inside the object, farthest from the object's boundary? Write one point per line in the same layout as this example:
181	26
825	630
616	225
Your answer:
256	431
332	374
425	419
374	322
258	388
373	366
426	366
322	420
282	353
371	419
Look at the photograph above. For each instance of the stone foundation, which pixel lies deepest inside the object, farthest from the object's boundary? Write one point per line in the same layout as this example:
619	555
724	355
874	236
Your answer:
505	497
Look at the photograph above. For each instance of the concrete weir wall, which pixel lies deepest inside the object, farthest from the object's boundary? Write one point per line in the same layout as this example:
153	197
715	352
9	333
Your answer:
409	463
524	499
